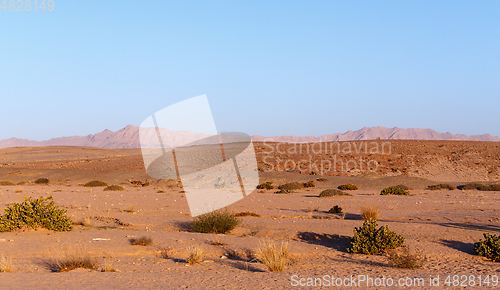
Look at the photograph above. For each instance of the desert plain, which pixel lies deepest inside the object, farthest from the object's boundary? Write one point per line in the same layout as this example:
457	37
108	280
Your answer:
443	224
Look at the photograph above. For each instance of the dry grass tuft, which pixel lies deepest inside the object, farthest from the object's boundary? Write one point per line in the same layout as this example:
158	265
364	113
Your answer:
273	256
108	264
165	253
6	265
71	258
403	258
113	188
370	211
142	241
195	255
95	183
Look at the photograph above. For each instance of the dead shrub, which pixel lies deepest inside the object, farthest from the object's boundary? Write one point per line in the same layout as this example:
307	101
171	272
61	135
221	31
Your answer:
404	258
370	211
273	256
142	241
195	255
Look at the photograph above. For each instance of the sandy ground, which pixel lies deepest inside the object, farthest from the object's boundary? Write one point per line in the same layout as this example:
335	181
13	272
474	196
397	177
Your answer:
444	224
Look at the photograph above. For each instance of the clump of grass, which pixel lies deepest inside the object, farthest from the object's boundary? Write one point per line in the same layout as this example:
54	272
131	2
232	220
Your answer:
393	190
95	183
441	186
217	242
310	183
34	213
369	240
370	211
348	186
113	188
108	264
291	186
322	179
165	253
216	222
7	183
332	192
489	248
195	255
403	258
246	213
6	265
266	185
335	209
72	258
273	256
142	241
42	180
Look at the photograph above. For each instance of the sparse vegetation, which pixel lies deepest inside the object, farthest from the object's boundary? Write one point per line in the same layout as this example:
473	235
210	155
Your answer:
142	241
348	186
441	186
335	209
113	188
489	248
273	256
160	191
216	222
95	183
322	179
370	211
72	258
284	191
42	181
393	190
310	183
313	173
291	186
6	265
369	240
403	258
7	183
34	213
480	186
332	192
246	213
402	186
195	255
108	264
266	185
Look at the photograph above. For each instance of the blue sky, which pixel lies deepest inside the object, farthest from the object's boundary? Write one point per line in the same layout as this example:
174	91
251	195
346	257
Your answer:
267	67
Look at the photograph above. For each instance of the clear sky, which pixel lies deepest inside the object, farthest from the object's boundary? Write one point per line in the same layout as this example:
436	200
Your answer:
267	67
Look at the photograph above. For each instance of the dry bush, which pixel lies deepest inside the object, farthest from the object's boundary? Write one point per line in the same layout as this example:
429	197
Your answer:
42	181
246	213
108	264
322	179
21	183
403	258
216	222
129	209
18	190
7	183
160	191
165	253
217	242
83	222
273	256
348	186
370	211
332	192
310	183
404	187
71	258
195	255
291	186
113	188
441	186
335	209
266	185
6	265
95	183
142	241
480	186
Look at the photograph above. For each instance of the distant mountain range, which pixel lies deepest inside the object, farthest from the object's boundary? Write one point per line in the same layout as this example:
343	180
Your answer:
128	137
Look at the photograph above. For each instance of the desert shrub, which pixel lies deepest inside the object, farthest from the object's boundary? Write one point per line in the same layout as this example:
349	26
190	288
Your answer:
313	173
370	211
95	183
394	190
284	191
310	183
7	183
405	259
322	179
332	192
72	258
441	186
402	186
335	209
21	183
42	181
273	256
291	186
479	186
160	191
266	185
489	248
6	265
348	186
113	188
369	240
34	213
246	213
195	255
142	241
216	222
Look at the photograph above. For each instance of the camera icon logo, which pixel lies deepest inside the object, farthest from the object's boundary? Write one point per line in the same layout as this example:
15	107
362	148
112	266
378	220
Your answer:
181	142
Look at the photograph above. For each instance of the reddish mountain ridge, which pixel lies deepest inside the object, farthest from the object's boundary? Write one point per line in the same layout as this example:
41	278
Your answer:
128	137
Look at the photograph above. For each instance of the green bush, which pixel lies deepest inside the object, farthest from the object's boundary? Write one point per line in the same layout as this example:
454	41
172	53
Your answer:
95	183
113	188
291	186
332	192
394	190
489	248
216	222
369	240
309	184
348	186
441	186
335	209
266	185
42	181
34	213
